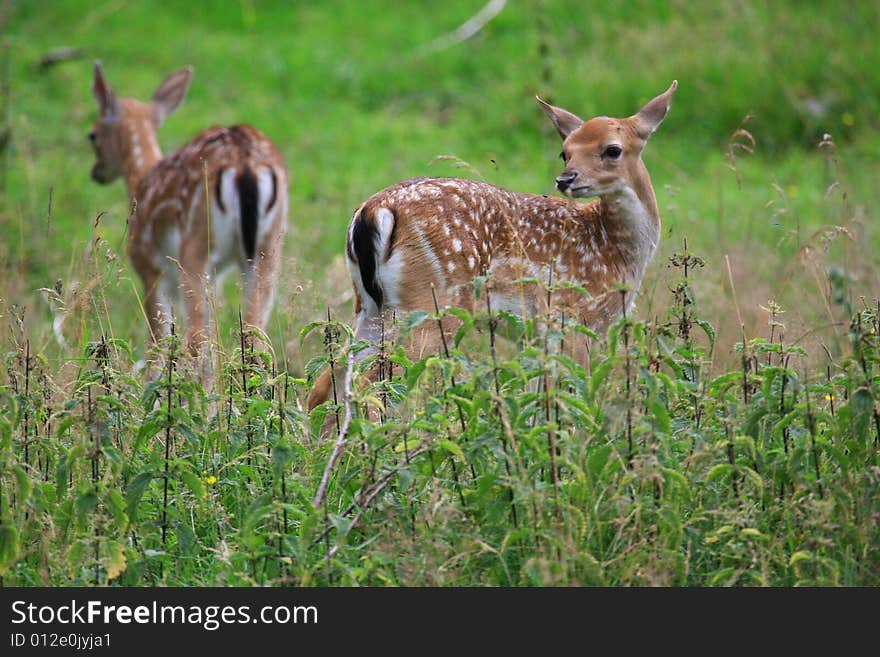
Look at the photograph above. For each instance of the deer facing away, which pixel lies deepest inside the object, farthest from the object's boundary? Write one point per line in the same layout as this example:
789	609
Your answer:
218	202
440	233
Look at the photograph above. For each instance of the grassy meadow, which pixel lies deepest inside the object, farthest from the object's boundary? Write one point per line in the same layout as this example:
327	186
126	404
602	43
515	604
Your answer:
726	434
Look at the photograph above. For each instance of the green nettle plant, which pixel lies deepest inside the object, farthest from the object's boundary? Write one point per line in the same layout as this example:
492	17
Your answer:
493	462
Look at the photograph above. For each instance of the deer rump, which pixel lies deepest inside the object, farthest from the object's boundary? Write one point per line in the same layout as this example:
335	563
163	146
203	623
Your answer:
242	213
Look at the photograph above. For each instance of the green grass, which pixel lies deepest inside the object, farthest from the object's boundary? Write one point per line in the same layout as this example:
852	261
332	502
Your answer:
731	488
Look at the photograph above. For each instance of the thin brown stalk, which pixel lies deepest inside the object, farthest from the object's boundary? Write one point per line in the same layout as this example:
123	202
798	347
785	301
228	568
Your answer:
167	439
328	345
811	427
628	367
340	438
513	515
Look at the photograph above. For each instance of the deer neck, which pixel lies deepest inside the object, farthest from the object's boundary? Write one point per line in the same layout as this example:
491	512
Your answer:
632	220
141	150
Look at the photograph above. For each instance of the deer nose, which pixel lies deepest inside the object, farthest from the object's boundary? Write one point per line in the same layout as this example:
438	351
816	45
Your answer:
564	180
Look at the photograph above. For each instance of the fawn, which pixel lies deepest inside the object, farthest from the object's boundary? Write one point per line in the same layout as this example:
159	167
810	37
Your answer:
429	237
218	201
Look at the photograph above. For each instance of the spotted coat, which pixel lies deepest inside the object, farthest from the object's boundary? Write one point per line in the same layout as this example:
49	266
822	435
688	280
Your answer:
444	232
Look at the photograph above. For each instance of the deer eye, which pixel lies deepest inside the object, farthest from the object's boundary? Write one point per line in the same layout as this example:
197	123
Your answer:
562	156
613	152
92	136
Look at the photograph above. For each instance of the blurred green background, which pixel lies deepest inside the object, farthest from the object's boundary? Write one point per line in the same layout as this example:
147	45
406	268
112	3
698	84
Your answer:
358	95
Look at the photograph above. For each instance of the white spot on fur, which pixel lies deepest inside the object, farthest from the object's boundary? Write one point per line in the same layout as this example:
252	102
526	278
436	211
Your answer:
390	277
384	222
456	244
225	226
266	222
351	224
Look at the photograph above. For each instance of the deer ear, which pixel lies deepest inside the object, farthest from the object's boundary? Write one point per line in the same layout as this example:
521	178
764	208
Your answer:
653	113
565	121
170	94
104	94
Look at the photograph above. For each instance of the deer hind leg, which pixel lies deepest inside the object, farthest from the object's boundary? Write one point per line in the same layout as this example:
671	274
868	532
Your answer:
158	309
194	288
368	329
332	383
261	277
322	390
374	329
